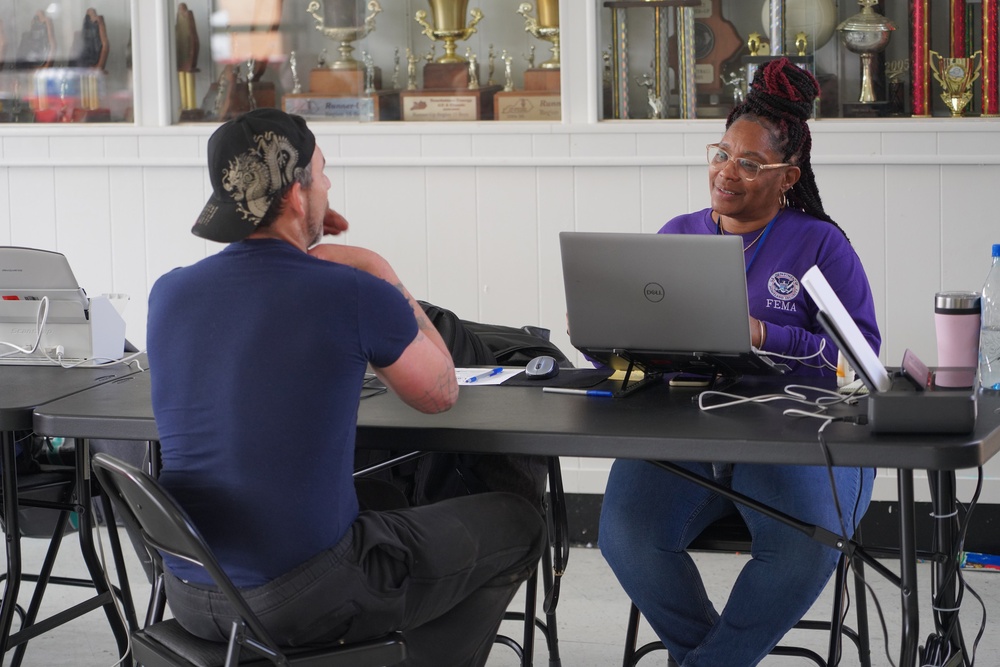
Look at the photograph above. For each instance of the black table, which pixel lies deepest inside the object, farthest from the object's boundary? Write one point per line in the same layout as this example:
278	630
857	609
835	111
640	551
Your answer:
656	423
22	388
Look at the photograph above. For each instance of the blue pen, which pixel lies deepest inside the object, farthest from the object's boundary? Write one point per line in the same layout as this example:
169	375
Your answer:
579	392
488	374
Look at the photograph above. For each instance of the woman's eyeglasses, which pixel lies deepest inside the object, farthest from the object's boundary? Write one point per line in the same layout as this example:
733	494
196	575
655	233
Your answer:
747	169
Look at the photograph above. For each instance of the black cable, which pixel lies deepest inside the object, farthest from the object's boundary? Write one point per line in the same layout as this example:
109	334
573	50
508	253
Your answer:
857	502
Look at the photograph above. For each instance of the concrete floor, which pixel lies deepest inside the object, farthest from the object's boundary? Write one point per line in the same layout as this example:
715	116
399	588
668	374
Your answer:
592	614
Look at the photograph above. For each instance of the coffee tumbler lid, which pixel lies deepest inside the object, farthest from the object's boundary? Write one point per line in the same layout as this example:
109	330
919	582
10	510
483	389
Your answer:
952	301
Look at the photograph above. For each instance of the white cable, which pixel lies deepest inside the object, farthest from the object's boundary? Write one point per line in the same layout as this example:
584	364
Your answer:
792	392
40	319
818	353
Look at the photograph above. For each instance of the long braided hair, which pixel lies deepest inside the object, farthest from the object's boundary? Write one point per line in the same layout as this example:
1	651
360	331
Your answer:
782	96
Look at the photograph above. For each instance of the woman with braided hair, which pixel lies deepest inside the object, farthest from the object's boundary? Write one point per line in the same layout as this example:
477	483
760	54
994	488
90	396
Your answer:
762	189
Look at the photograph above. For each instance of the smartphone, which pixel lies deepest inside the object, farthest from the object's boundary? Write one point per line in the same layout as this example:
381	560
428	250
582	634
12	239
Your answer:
690	380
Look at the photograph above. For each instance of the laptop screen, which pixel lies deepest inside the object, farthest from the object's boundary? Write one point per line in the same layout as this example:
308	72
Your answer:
670	302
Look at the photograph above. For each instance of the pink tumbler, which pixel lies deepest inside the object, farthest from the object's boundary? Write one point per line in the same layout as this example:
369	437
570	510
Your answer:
956	322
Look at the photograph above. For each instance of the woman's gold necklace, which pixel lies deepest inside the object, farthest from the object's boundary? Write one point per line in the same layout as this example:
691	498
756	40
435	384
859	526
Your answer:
722	230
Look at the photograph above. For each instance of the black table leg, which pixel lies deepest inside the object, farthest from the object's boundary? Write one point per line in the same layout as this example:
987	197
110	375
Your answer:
8	604
908	570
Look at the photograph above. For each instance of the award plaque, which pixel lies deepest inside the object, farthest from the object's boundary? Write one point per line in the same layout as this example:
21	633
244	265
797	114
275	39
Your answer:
715	42
541	99
451	89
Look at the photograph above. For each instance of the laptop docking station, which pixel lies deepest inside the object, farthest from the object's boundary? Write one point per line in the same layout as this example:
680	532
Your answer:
905	408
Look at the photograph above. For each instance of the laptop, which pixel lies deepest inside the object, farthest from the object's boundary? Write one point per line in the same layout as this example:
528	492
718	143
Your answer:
662	302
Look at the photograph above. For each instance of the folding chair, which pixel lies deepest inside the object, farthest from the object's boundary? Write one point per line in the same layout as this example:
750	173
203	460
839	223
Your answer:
164	527
44	501
553	565
731	534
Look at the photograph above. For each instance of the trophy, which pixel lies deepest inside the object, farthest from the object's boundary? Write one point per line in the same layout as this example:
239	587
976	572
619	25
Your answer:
956	76
894	72
866	34
344	88
348	25
545	27
449	25
541	98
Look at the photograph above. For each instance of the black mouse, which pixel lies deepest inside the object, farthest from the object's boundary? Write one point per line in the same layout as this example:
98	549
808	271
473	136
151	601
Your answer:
541	368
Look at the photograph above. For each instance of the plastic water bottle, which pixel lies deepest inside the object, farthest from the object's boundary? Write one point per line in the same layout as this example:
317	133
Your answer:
989	334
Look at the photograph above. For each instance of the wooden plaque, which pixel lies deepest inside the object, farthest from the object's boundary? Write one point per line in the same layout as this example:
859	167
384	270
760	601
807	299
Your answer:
527	105
715	42
383	105
448	105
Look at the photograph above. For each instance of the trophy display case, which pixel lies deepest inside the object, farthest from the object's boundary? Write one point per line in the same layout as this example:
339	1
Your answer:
65	62
367	60
873	58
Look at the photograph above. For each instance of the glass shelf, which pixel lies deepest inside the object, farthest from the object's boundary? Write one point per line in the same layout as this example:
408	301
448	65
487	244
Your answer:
67	63
693	58
368	60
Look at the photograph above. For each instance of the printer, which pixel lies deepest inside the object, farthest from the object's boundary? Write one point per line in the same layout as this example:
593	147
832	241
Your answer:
37	287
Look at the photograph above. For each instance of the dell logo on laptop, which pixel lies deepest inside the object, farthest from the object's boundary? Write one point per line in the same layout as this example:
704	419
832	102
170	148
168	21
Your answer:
653	292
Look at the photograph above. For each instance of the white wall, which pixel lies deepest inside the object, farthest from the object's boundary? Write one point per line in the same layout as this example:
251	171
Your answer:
469	213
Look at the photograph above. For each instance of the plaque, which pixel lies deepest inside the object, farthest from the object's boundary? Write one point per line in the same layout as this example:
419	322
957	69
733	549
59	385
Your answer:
540	99
527	105
715	42
382	105
442	105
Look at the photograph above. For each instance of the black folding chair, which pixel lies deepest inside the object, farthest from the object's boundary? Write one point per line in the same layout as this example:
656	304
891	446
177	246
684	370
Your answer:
164	527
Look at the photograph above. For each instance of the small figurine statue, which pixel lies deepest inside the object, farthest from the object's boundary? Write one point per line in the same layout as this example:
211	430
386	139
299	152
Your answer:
395	69
473	72
655	103
321	59
490	81
801	43
530	57
251	65
293	65
369	62
411	69
736	80
508	74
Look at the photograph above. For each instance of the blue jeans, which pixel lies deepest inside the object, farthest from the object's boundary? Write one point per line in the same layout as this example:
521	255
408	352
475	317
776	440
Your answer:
650	516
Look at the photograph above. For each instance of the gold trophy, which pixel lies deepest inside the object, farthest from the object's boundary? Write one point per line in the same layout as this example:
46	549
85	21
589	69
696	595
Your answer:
545	27
866	34
449	25
956	76
541	98
348	26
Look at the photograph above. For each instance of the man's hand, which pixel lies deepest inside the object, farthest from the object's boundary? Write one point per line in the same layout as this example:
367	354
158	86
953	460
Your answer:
334	223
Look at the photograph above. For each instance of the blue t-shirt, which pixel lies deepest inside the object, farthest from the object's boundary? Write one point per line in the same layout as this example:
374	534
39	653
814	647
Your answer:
776	263
257	356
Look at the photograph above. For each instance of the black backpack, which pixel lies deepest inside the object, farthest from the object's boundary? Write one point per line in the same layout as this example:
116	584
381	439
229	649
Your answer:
438	475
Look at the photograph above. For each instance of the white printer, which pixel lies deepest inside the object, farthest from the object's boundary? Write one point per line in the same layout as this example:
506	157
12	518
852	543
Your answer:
38	287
